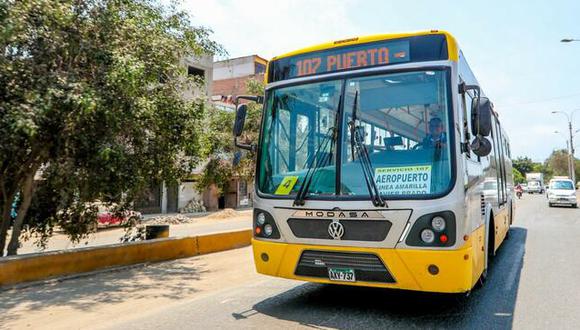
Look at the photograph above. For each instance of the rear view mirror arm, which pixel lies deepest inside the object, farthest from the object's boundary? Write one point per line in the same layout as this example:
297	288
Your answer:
255	98
250	147
463	88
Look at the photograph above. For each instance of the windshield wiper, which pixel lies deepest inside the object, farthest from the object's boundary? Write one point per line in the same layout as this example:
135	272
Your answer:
315	163
363	156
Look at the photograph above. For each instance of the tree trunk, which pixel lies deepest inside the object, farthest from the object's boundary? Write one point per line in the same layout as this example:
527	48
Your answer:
5	224
27	192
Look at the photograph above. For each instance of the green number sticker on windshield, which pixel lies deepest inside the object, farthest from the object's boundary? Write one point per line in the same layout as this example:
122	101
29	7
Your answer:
286	185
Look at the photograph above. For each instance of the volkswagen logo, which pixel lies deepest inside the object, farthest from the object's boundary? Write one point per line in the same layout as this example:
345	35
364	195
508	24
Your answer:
335	230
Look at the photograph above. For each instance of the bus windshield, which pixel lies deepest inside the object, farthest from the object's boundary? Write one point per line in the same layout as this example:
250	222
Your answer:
403	118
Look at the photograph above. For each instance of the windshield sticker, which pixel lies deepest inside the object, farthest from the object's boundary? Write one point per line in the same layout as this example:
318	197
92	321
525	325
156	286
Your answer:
405	180
286	185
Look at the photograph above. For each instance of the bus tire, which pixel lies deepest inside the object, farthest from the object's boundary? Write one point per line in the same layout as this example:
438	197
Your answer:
483	277
490	239
507	233
481	280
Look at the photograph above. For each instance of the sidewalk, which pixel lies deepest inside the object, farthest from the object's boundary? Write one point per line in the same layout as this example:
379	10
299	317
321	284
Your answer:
211	222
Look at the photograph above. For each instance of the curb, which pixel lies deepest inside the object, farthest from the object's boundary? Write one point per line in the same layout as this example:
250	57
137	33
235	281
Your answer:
42	266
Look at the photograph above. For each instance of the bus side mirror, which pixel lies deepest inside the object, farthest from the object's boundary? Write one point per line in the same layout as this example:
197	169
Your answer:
241	111
239	127
240	119
481	111
481	146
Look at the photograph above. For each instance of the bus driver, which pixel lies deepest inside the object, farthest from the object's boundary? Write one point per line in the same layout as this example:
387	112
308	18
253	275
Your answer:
436	137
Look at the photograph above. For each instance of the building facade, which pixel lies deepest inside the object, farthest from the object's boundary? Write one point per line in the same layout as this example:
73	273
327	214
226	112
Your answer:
230	79
182	196
224	80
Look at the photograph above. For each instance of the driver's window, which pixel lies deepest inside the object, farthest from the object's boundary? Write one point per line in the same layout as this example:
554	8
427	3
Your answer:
468	102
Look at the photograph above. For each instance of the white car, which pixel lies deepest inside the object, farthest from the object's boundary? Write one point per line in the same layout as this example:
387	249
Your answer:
562	192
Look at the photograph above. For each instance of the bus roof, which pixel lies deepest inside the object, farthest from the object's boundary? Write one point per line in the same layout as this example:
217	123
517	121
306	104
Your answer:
366	51
451	42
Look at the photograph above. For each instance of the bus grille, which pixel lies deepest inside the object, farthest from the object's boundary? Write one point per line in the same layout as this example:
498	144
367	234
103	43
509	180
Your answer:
354	230
367	267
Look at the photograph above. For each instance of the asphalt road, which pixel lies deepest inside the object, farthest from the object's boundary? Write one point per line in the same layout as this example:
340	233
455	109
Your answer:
532	284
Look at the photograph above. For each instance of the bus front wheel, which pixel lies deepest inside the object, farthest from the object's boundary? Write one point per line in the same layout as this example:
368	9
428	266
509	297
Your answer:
487	253
482	279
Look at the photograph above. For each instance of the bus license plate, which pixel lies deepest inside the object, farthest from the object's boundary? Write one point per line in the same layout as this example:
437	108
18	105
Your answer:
341	274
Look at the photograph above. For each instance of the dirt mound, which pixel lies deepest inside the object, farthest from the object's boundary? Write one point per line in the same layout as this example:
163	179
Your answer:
169	220
224	214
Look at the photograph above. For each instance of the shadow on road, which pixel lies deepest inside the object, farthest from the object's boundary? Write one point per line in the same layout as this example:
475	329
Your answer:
161	280
345	307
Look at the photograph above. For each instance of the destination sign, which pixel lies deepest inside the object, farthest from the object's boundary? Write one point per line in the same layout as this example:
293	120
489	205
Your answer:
386	52
365	55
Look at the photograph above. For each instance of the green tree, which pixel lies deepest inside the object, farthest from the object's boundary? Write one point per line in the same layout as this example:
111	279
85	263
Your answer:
524	165
539	167
556	164
217	143
518	177
91	104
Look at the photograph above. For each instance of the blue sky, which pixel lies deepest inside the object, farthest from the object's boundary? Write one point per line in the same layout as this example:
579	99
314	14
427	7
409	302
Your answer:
512	46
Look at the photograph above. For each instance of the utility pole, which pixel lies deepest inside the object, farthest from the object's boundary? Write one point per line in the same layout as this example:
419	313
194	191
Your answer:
569	162
571	159
571	155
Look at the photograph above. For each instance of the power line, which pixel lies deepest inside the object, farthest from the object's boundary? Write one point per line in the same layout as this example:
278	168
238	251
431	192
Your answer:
541	100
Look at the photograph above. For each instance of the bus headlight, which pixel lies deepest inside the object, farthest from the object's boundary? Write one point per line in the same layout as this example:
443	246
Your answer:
261	219
427	236
438	223
437	229
268	230
265	225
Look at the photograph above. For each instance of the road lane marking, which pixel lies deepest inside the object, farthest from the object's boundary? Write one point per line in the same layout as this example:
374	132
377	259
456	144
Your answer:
503	314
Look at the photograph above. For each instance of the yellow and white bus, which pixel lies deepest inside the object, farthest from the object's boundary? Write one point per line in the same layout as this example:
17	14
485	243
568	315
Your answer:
380	163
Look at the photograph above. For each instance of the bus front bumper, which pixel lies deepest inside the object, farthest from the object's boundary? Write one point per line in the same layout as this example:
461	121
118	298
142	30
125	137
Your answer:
458	270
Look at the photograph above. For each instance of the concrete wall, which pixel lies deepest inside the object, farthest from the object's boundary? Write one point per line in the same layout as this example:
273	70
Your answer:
210	198
204	63
40	266
234	86
187	192
234	68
